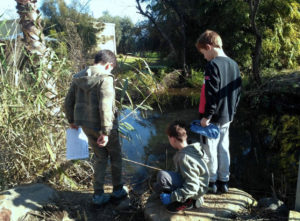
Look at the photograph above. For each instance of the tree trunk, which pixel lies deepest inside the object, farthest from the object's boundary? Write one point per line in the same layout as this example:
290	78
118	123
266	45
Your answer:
180	17
254	4
256	59
30	21
161	32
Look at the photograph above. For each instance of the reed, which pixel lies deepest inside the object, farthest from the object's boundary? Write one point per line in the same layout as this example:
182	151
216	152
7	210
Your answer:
32	121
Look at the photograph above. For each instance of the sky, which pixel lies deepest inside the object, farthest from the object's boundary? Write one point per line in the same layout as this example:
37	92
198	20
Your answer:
120	8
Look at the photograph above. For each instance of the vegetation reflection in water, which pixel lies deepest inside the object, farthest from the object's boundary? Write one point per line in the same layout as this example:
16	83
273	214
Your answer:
264	149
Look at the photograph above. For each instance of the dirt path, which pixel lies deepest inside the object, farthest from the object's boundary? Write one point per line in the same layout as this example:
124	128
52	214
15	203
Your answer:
76	205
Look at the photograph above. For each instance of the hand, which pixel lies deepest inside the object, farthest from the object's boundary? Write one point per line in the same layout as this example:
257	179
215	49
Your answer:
102	140
205	122
5	214
73	126
165	198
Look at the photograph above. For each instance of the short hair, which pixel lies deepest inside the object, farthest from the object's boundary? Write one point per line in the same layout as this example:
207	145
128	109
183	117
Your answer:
106	56
209	37
177	129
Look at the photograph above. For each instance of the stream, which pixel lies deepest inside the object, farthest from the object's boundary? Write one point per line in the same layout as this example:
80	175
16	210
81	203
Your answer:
264	149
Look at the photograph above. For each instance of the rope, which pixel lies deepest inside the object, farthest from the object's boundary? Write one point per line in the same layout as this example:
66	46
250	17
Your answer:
141	164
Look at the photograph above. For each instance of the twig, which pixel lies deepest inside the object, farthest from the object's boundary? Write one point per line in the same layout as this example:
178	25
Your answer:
35	214
141	164
136	108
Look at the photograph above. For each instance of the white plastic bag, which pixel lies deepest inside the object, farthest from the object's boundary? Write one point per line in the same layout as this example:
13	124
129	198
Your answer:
77	144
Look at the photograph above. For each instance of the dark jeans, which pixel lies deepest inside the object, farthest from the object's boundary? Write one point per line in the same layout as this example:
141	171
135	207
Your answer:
167	181
112	151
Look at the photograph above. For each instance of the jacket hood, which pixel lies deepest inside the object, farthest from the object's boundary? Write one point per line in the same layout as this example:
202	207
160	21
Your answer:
194	149
89	77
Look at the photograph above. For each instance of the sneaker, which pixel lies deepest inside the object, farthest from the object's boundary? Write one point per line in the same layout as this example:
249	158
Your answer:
199	202
100	199
223	186
212	187
176	207
119	194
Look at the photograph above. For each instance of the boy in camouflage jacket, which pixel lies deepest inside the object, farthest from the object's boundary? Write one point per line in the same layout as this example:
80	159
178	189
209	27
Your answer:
90	103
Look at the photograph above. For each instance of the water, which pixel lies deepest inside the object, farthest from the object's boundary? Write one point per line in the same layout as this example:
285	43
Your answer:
264	149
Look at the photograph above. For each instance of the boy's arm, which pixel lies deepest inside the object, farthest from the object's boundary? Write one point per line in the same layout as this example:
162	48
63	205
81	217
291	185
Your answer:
212	81
106	103
69	104
190	173
238	94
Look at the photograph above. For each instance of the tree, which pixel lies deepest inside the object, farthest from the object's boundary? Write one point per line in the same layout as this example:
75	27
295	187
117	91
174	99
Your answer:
73	26
30	21
281	33
148	13
180	17
254	5
257	34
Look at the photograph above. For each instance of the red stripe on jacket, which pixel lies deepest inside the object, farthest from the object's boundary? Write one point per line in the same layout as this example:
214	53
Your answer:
202	100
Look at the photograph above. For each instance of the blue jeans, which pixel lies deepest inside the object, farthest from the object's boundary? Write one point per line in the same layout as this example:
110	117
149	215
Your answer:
167	181
218	154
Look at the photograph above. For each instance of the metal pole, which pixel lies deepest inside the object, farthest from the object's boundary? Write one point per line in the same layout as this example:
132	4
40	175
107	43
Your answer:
297	204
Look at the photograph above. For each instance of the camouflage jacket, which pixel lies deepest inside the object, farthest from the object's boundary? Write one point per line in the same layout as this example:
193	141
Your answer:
90	101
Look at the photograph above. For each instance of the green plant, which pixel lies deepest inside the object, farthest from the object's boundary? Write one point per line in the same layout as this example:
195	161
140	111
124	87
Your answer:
32	122
31	140
196	78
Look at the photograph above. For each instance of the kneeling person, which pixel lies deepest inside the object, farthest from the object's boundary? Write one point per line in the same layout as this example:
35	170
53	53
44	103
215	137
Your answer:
184	187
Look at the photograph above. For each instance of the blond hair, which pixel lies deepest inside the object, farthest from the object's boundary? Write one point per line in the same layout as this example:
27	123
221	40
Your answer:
209	37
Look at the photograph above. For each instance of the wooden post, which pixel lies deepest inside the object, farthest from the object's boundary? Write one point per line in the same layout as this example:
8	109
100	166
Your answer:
297	204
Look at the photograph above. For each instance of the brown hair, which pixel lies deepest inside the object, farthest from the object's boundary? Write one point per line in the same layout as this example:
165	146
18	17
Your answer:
106	56
177	129
209	37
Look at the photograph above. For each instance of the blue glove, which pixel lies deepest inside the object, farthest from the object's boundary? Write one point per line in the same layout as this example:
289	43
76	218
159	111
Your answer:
165	198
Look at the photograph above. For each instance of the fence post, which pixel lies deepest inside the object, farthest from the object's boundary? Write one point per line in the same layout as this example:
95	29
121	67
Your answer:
297	204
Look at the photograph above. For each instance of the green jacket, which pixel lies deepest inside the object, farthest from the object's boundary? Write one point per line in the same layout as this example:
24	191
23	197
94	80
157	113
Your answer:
90	101
190	164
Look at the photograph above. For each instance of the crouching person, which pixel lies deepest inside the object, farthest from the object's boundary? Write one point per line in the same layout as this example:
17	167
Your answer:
183	188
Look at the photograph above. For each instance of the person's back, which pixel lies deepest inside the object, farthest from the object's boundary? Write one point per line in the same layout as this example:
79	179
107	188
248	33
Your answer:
222	94
90	103
89	85
228	89
185	186
193	154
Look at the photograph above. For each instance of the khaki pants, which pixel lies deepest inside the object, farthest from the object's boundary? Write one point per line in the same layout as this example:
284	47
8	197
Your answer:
112	151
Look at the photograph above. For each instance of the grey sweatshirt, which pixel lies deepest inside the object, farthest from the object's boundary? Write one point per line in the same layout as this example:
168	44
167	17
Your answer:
90	101
190	164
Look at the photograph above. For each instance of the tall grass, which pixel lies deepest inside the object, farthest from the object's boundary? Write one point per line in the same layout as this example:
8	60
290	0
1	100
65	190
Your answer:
32	123
31	136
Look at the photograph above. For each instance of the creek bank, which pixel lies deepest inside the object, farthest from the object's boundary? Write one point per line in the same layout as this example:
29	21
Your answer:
37	202
17	202
280	92
216	206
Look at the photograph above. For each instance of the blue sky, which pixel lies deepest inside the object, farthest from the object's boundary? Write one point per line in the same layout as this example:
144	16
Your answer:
97	7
